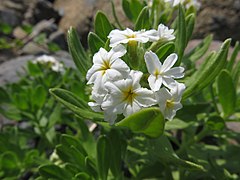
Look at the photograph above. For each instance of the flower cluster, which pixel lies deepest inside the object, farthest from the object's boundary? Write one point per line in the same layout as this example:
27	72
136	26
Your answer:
117	89
51	62
187	3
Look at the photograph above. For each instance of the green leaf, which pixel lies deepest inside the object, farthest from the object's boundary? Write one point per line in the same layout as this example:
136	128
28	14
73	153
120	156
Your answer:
103	160
215	123
208	71
132	8
149	121
162	149
75	104
9	161
34	69
190	22
79	55
82	176
69	141
197	52
181	37
102	26
226	92
142	21
116	153
39	96
11	112
233	57
54	172
4	97
164	51
95	42
176	124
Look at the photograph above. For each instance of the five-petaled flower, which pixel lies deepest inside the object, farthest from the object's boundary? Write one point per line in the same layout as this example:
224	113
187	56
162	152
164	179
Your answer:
126	96
169	102
108	66
162	73
117	36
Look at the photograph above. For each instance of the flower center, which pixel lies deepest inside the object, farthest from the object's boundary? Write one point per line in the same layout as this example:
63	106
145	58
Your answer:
129	96
105	66
156	73
169	104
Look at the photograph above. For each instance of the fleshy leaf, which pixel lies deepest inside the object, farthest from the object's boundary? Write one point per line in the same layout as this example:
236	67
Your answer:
208	71
102	25
226	92
75	104
77	51
149	121
94	42
103	161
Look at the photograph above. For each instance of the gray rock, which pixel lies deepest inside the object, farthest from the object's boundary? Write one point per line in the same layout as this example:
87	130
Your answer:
10	17
59	38
34	48
10	70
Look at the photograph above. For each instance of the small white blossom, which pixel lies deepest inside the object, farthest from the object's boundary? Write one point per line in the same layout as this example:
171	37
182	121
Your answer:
117	36
51	61
162	73
188	3
169	102
126	97
165	33
108	66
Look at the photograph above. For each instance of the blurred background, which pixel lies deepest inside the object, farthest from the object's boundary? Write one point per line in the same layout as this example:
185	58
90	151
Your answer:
40	26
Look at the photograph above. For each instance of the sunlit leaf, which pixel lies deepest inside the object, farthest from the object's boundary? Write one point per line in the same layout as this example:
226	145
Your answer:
149	121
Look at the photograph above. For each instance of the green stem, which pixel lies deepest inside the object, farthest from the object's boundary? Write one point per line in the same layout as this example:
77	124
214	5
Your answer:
193	140
214	100
115	16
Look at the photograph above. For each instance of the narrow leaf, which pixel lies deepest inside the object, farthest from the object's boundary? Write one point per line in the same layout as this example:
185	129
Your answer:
164	51
54	172
103	161
102	25
142	21
208	71
197	52
181	38
94	42
226	92
75	104
77	51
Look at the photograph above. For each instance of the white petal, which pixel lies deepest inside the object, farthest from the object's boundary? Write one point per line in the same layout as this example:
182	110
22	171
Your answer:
113	74
169	62
121	66
116	52
155	83
152	62
176	72
95	107
145	97
93	70
169	82
162	96
99	56
152	35
177	91
131	108
94	77
136	77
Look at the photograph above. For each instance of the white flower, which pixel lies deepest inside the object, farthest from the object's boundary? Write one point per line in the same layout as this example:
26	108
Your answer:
169	102
165	33
108	66
162	73
98	94
188	3
117	36
126	96
50	60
